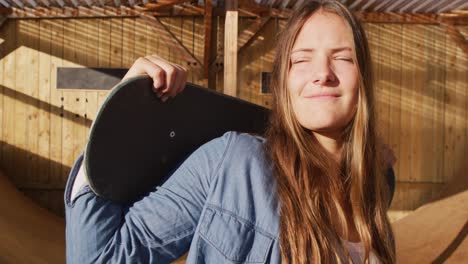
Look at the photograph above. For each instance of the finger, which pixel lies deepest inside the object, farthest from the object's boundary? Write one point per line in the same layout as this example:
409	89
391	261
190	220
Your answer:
169	69
143	66
181	78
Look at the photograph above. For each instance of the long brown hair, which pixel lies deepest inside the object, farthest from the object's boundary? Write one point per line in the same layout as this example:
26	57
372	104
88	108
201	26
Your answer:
313	194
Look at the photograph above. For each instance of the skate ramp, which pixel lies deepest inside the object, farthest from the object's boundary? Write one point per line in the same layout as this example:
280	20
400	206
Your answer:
437	231
29	233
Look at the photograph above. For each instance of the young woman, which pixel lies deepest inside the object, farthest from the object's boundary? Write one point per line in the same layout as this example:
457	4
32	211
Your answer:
312	191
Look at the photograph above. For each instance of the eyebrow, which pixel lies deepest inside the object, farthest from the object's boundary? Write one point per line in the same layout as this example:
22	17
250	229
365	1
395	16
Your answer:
334	50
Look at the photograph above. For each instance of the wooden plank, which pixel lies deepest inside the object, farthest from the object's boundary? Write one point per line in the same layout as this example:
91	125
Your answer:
198	50
9	79
69	102
152	42
456	36
214	48
21	87
44	115
248	62
384	82
268	48
394	35
164	50
56	98
187	38
461	106
92	41
3	53
80	129
417	133
128	42
250	33
3	38
169	37
174	25
450	112
374	34
94	12
408	18
406	156
208	24
432	152
104	50
426	37
140	38
32	123
116	43
437	83
230	48
220	50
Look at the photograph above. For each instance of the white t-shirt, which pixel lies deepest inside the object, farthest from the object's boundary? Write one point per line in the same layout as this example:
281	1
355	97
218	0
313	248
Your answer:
356	251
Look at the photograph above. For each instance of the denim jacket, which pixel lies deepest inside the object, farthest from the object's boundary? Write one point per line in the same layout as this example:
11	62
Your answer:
220	205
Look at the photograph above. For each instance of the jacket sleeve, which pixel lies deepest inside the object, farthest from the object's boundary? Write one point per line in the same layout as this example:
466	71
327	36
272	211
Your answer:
156	229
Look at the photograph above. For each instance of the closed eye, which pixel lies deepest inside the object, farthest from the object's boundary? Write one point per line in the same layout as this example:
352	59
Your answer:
344	59
298	61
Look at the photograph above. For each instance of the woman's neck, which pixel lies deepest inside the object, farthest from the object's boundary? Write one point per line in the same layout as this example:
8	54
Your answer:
332	143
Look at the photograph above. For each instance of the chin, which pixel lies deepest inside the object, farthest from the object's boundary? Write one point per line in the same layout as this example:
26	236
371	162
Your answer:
324	127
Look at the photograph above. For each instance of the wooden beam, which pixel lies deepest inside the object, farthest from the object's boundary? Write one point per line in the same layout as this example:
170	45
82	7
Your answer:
45	2
249	8
244	40
230	48
208	23
456	36
68	12
86	12
4	11
213	73
168	36
3	19
400	18
251	33
162	4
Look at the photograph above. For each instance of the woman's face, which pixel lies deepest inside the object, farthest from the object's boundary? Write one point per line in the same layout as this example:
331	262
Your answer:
323	77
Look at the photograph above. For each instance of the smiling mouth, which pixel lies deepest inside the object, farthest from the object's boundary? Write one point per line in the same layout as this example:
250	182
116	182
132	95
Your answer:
322	96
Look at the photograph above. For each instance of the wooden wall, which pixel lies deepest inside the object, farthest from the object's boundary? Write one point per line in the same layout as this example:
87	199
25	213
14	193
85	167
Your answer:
421	92
44	129
421	89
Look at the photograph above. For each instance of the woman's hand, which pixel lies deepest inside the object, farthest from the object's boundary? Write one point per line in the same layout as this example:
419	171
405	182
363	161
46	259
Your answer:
168	78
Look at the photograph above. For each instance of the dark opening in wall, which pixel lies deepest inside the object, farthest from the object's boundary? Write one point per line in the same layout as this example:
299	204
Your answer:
89	78
266	82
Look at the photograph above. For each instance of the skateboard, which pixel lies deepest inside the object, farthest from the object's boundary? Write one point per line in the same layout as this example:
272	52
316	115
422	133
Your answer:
136	139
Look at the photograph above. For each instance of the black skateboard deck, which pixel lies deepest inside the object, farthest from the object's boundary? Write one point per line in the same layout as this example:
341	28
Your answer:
136	139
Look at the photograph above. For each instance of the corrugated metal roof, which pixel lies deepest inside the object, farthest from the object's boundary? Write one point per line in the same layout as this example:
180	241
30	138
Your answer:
397	6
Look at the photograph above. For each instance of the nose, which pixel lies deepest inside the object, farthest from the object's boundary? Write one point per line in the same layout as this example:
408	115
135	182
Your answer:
322	73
